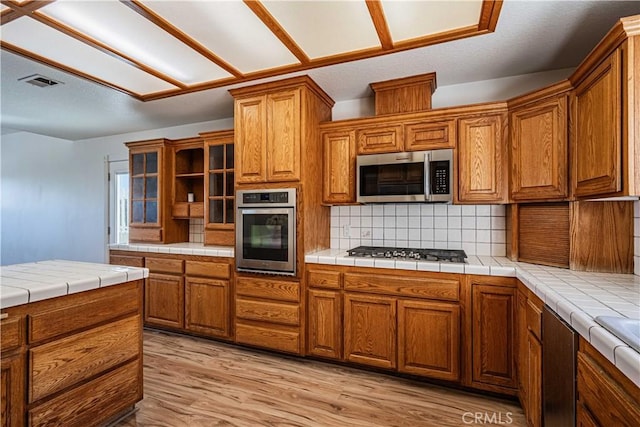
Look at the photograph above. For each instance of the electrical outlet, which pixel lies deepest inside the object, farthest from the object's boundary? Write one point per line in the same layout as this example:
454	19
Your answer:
346	231
365	233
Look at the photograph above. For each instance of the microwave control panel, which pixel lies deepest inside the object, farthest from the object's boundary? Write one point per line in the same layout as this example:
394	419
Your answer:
440	177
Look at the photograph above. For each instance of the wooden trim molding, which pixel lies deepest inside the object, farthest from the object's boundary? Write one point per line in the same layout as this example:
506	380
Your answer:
489	14
380	22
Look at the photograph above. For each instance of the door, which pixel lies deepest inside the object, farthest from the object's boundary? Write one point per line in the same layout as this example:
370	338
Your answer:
250	126
370	330
429	339
339	165
325	323
283	136
207	306
164	300
118	213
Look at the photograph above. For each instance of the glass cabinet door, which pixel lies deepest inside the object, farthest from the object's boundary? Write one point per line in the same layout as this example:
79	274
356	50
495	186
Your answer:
221	184
144	188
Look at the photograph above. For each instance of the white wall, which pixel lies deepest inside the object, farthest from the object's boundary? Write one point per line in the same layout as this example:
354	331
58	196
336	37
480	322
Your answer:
54	194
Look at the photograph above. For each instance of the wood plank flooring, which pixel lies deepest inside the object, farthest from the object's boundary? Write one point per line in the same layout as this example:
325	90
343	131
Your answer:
195	382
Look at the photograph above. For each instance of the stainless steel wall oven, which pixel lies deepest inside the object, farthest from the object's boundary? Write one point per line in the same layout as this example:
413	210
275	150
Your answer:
266	231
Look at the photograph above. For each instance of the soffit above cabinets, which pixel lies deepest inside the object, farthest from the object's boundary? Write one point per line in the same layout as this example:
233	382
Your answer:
153	49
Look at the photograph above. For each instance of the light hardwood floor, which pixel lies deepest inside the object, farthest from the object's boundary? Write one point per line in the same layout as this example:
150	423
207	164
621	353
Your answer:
195	382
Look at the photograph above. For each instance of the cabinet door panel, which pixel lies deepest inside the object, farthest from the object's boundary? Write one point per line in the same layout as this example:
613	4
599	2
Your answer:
429	339
325	323
164	300
283	136
207	306
380	139
493	335
250	137
597	127
534	381
370	330
430	135
339	167
12	390
539	151
481	155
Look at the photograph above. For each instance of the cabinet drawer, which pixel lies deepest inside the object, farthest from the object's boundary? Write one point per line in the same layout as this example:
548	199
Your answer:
65	362
164	265
180	210
430	135
216	270
534	319
130	261
145	234
274	312
271	289
113	393
438	289
324	279
12	332
196	210
77	315
273	338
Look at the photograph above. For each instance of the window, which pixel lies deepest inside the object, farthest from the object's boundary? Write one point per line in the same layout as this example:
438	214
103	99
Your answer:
118	202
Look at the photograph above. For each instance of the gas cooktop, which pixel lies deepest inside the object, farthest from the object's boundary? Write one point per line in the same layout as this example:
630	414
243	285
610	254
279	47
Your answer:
440	255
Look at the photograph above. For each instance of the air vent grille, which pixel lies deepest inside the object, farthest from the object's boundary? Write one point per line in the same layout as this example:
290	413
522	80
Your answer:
39	80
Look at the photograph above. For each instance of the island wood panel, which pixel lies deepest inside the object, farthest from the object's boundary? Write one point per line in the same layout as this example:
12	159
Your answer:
250	127
280	339
324	312
544	234
164	300
447	289
268	311
370	330
207	306
539	150
283	136
380	139
339	166
596	125
429	339
77	312
482	159
268	288
430	135
65	362
602	236
609	397
94	402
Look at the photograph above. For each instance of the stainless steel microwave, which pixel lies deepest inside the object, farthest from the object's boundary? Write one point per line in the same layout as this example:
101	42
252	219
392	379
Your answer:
416	176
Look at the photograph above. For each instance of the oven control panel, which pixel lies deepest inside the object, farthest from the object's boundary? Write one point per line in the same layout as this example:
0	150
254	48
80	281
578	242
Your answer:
285	197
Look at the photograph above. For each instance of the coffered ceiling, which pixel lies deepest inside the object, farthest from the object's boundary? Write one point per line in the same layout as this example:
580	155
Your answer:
152	49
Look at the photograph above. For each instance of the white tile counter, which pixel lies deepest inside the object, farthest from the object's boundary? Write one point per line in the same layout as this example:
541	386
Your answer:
576	296
177	248
37	281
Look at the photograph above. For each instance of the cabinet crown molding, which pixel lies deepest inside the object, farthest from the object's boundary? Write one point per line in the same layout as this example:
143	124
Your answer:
280	85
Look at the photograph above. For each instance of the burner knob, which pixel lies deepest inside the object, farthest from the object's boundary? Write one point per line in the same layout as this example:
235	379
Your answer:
402	254
387	254
416	256
395	253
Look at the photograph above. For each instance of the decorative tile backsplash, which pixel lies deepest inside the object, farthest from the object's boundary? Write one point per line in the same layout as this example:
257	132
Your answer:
477	229
636	238
196	230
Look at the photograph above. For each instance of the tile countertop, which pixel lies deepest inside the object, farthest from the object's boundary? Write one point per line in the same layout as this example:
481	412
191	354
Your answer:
177	248
36	281
576	296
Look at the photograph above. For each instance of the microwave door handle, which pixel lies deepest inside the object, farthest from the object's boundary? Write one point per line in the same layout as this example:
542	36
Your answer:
427	176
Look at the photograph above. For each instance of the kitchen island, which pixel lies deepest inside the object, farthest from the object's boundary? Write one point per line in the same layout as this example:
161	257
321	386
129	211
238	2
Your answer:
71	342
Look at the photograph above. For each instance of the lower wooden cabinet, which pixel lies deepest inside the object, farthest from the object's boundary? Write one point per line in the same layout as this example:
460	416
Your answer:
492	335
12	389
370	330
529	354
207	306
164	300
324	312
429	339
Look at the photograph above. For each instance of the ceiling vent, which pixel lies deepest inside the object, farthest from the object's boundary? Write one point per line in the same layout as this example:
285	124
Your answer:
39	80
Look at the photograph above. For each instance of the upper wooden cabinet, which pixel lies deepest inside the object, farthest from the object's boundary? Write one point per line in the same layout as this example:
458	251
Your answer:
605	116
430	135
539	150
188	173
339	166
482	158
380	139
272	123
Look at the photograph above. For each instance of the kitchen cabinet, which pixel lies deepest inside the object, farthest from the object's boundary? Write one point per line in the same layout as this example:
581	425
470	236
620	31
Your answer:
482	158
188	174
382	138
429	339
13	364
150	169
219	182
164	300
539	145
529	356
339	166
268	314
207	306
605	396
430	134
268	137
492	344
370	330
325	323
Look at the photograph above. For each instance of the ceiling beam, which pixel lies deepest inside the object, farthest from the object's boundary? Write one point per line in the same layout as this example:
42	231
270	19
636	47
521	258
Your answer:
489	14
380	22
158	20
21	9
272	24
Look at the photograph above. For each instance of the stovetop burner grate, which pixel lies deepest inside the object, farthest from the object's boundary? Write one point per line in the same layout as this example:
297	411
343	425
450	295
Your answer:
416	254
